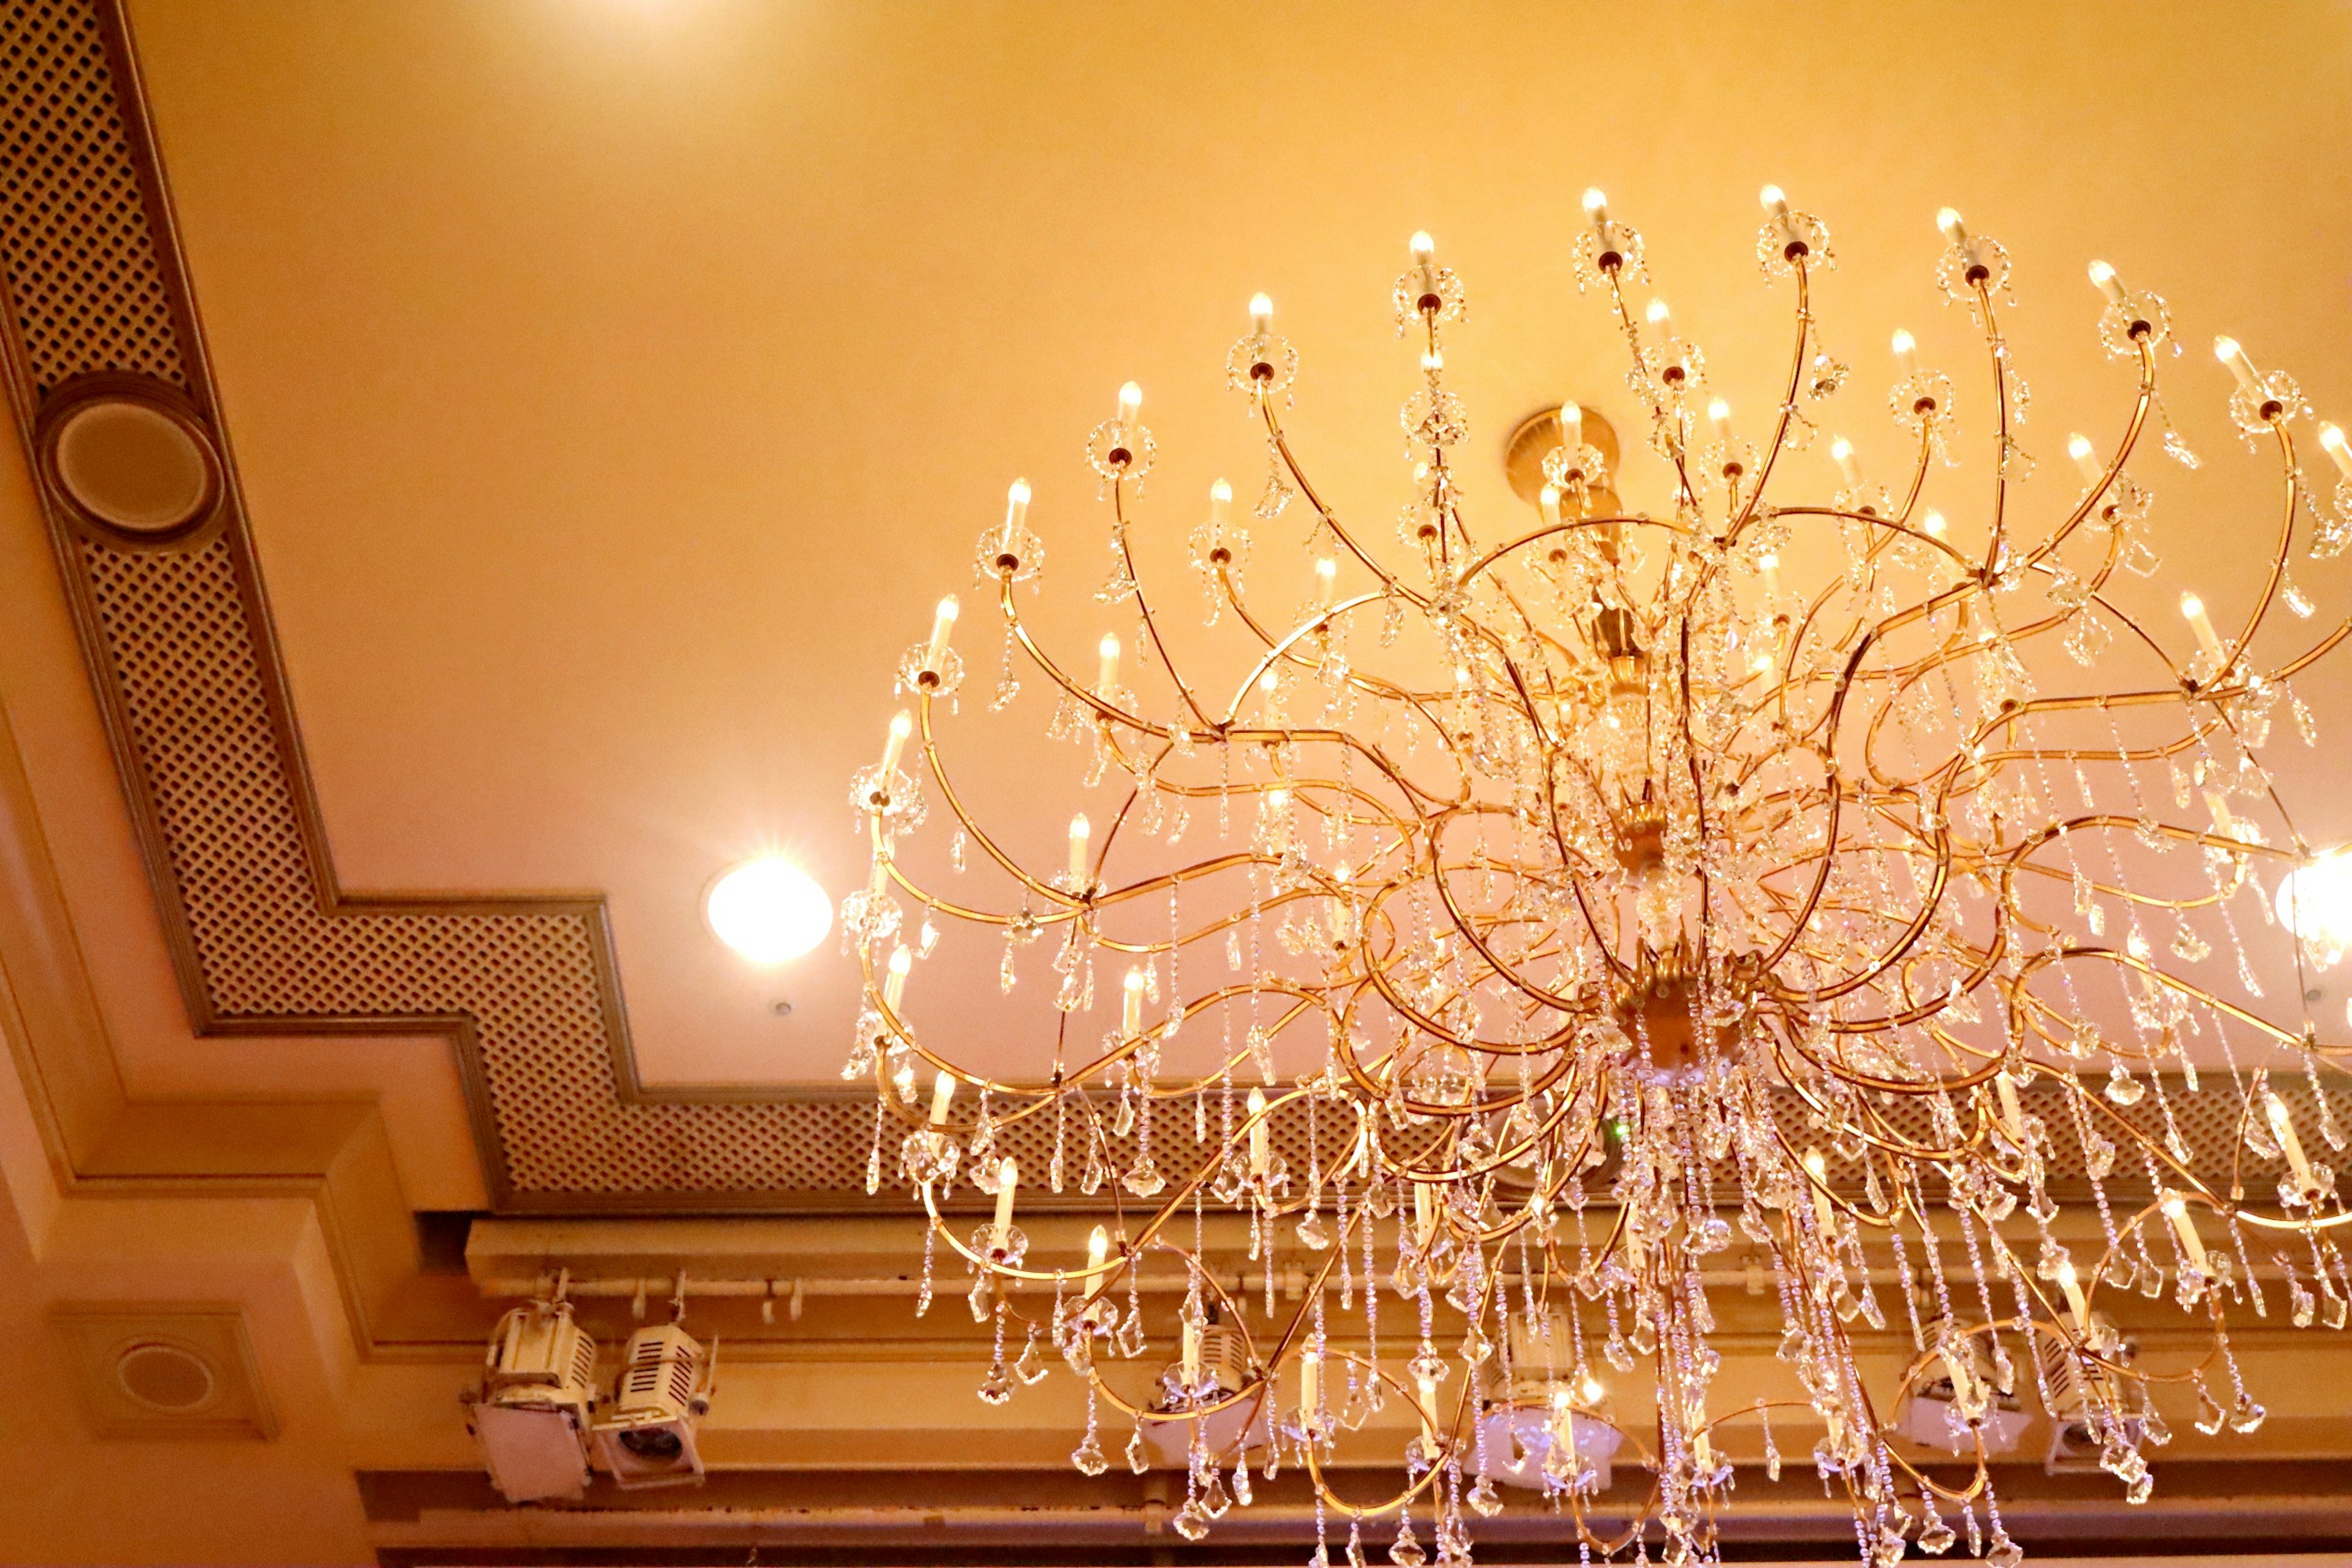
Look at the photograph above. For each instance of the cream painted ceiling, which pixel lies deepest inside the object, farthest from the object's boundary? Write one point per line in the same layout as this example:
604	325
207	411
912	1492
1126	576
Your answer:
615	384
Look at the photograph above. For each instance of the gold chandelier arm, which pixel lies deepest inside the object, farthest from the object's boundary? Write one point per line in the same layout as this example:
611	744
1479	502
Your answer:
2115	465
1788	403
1143	604
1996	534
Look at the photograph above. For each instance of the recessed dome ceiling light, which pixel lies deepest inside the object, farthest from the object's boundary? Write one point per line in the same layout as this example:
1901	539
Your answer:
768	909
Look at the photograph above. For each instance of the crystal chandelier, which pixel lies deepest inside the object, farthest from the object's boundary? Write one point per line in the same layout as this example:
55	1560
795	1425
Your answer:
1597	906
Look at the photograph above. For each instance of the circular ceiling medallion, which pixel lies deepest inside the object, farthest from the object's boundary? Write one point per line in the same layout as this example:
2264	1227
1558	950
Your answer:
134	465
164	1376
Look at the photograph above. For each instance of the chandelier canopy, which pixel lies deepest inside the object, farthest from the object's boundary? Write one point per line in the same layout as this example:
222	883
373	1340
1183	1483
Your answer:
1597	910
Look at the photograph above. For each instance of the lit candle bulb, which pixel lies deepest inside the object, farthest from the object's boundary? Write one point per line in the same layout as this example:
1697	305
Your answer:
1131	1003
2012	1114
2193	607
1107	671
893	983
1260	1154
2175	1209
1954	230
942	1097
1591	1389
2103	278
2078	446
2282	1124
943	620
1933	523
1571	429
1428	1407
1775	202
1261	314
2073	1288
1547	503
1596	211
902	725
1327	572
1424	248
1848	464
1770	564
1658	316
1425	1209
2331	436
1016	510
2227	350
1309	1367
1906	353
1719	413
1010	1176
1131	403
1823	1215
1078	831
1097	1248
1191	1354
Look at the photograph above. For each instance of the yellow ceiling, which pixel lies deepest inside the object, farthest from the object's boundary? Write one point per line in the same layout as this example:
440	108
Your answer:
615	384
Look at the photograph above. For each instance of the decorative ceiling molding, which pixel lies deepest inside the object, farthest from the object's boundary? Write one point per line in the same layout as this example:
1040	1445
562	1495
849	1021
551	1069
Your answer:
176	628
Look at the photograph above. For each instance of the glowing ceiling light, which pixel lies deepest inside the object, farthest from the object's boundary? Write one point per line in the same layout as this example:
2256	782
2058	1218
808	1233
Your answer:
2314	901
768	909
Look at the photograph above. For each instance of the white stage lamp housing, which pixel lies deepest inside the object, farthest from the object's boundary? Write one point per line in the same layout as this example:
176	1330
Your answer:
647	1436
531	1415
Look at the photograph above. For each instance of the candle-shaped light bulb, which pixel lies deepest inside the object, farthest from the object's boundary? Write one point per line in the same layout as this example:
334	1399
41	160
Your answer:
1131	403
2073	1288
1769	564
1596	211
1935	524
2227	350
1823	1215
1841	451
1658	316
1261	314
1078	831
894	981
1260	1154
2217	806
1422	246
2012	1114
942	1097
2078	446
1107	670
1775	201
1130	1017
1311	1367
1591	1389
1719	414
902	725
1221	501
2282	1124
1428	1385
1547	503
1097	1248
1191	1354
2103	278
943	620
2331	437
1954	230
1016	510
1009	1175
2193	608
2176	1210
1906	353
1327	572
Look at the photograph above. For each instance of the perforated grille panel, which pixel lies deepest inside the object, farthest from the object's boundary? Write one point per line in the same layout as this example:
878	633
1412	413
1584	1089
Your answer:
82	265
